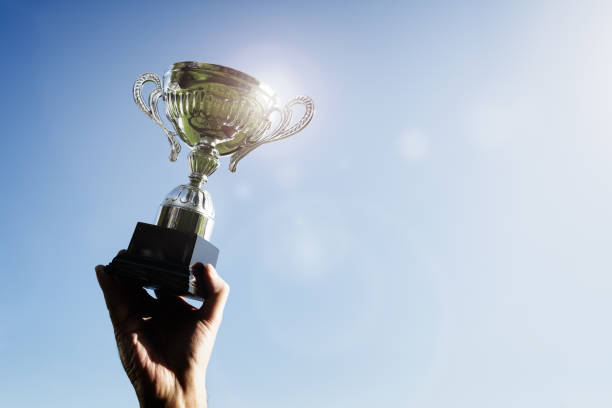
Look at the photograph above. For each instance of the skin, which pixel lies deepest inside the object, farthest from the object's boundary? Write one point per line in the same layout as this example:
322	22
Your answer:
165	343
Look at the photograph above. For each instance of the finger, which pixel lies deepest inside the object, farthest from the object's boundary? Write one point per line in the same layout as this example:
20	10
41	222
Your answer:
214	290
135	293
122	298
171	300
115	303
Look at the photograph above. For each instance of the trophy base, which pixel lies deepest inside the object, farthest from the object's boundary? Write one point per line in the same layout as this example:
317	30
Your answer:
160	258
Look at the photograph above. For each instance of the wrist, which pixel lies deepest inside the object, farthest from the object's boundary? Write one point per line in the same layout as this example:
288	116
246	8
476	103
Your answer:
178	402
187	397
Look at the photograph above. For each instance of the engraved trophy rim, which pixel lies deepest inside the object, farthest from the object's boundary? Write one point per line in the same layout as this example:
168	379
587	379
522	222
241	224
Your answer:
224	70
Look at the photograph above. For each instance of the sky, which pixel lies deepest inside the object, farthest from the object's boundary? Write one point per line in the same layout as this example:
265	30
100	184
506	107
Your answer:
437	236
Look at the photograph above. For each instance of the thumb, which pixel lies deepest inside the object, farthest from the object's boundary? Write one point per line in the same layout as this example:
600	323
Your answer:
214	290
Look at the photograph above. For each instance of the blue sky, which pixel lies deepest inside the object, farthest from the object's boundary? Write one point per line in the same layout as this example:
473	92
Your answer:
438	236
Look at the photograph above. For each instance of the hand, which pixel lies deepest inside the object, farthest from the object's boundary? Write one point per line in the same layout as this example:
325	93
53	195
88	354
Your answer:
165	343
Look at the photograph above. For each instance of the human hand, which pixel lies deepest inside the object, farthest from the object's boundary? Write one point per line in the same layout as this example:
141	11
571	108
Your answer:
165	343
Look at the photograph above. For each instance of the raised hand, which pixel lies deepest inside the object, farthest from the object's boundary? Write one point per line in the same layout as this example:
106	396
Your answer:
165	343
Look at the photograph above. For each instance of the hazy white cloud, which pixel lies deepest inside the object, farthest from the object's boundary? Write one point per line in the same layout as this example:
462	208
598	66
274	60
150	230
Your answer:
490	125
307	250
344	164
287	175
311	248
243	191
413	145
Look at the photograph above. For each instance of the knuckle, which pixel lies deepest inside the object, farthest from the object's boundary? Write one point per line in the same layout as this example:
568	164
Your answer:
224	288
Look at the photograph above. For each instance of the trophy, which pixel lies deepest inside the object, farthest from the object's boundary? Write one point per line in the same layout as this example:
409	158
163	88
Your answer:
216	111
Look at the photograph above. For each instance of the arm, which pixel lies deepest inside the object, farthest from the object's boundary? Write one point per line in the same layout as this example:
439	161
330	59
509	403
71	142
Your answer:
165	343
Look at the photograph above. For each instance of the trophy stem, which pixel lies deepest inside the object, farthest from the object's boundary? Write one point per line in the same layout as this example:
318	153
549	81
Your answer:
203	161
197	180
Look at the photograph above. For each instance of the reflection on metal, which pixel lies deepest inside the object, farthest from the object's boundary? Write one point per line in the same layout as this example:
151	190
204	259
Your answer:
216	111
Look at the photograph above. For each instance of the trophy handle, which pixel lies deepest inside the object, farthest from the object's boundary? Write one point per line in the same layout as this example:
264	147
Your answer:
282	130
151	109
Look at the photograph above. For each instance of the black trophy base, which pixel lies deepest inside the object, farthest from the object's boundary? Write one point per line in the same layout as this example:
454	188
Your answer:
159	258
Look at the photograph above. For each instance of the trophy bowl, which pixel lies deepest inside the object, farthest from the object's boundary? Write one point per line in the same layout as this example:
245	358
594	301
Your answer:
214	102
219	108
